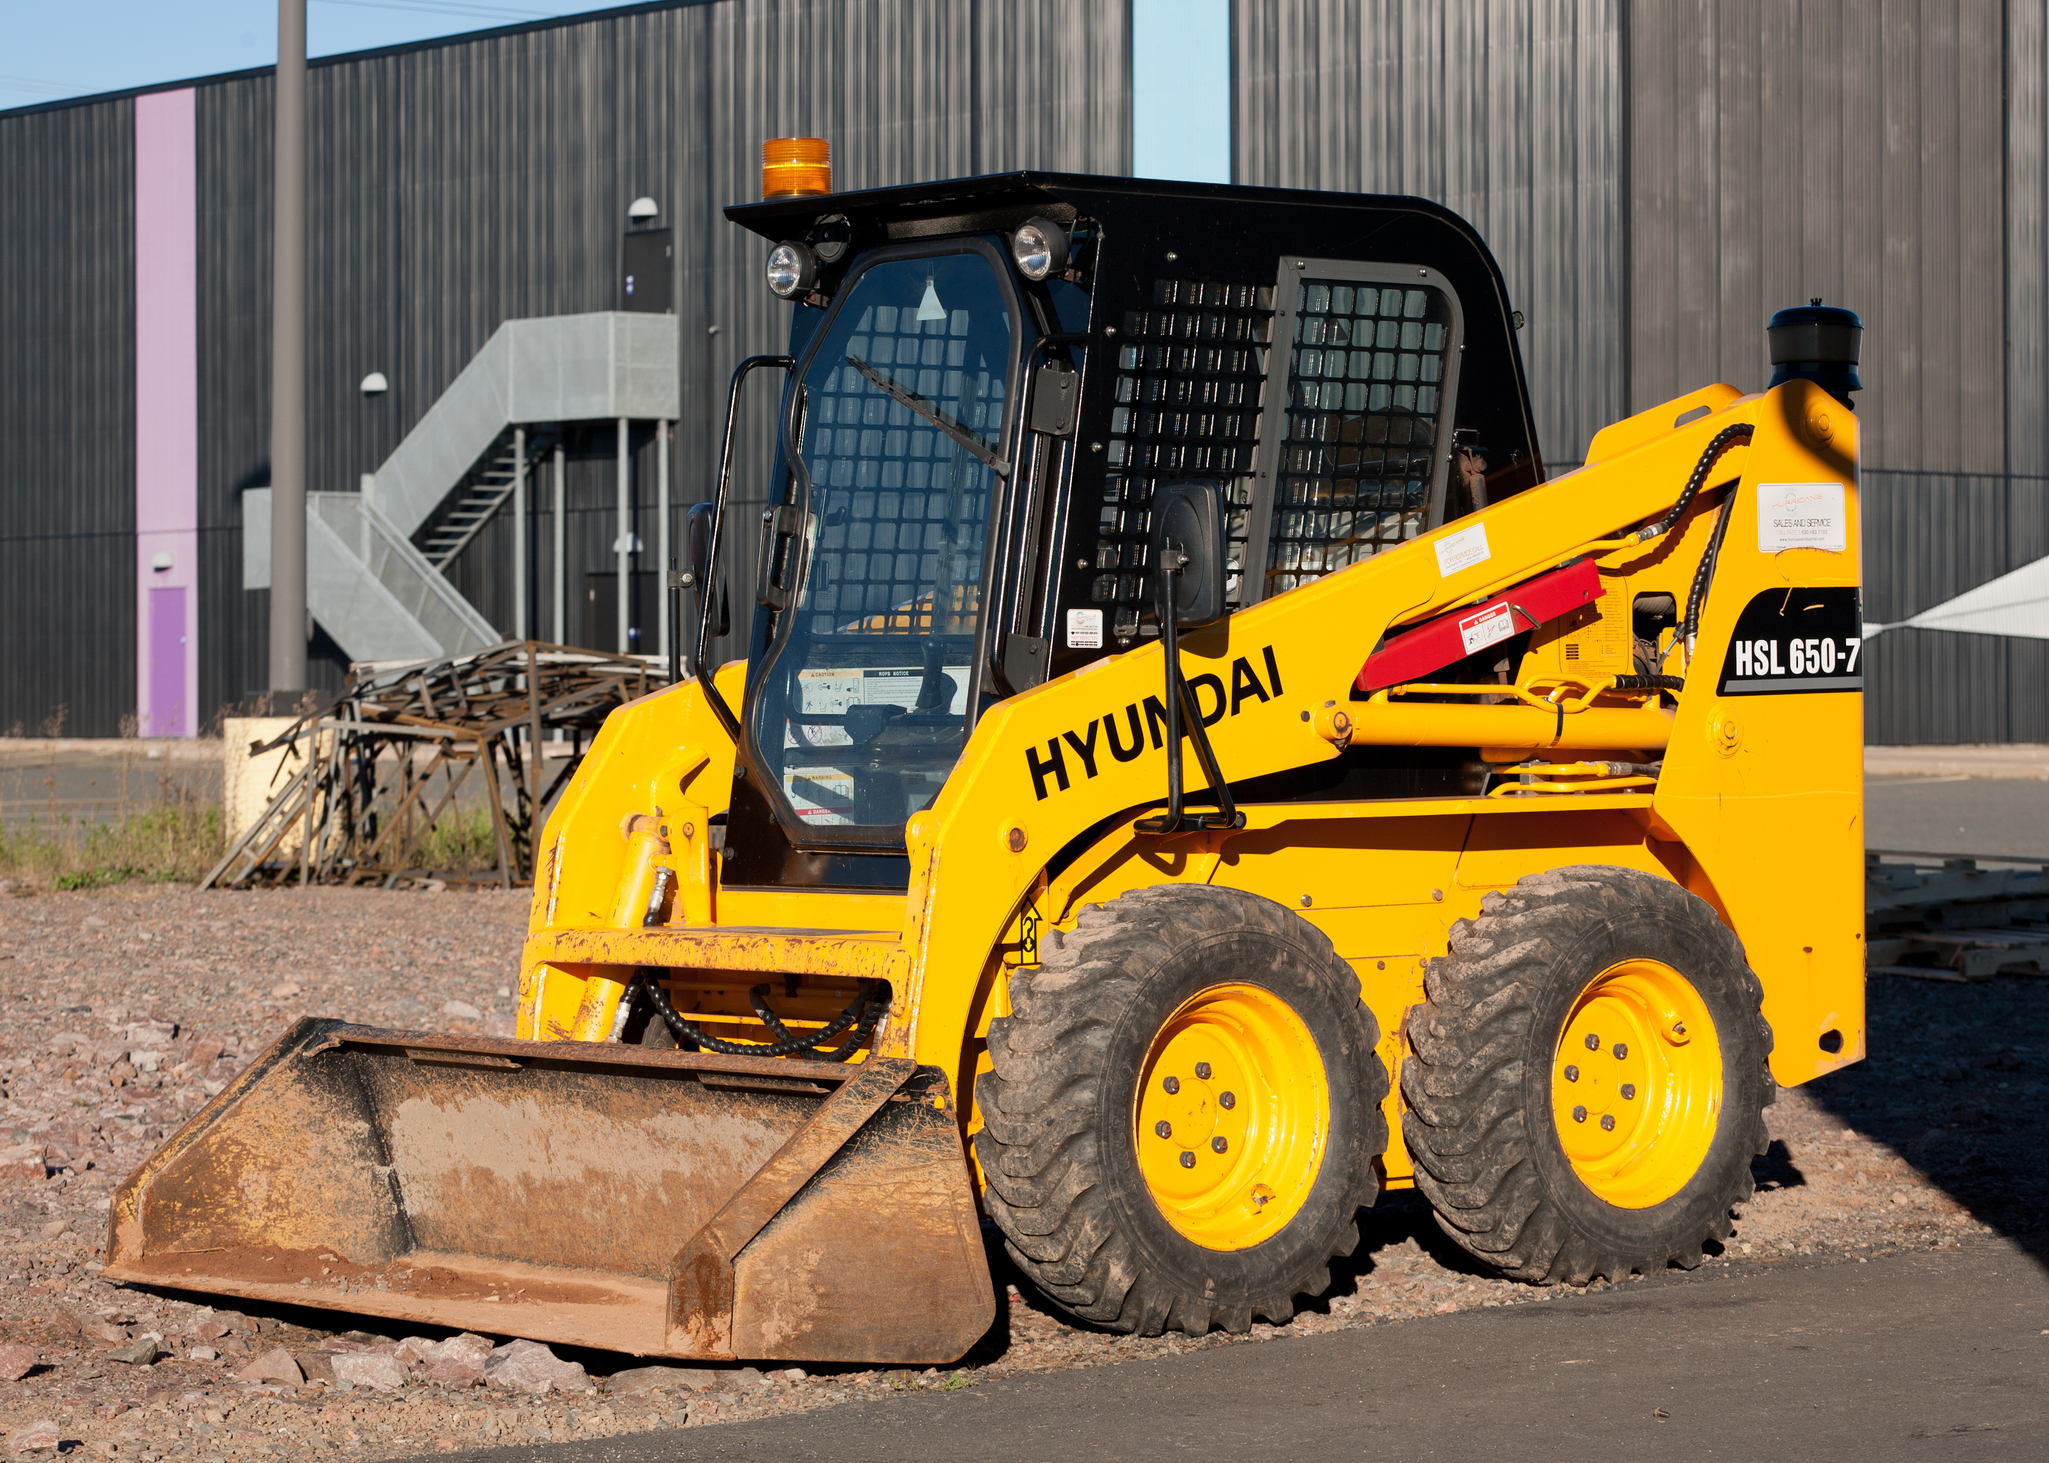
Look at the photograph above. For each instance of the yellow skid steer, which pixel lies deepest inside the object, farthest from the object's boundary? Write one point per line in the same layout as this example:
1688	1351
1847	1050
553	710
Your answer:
1192	771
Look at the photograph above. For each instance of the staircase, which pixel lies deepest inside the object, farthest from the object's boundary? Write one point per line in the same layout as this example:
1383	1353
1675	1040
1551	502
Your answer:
476	502
374	559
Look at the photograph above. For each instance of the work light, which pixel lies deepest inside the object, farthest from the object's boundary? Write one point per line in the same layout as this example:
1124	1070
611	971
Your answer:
1039	247
792	270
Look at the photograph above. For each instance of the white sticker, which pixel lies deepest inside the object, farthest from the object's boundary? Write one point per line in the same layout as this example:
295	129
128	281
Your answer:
1485	627
1800	516
1084	629
1462	550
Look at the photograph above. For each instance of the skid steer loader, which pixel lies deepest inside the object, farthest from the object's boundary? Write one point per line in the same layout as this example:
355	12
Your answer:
1193	771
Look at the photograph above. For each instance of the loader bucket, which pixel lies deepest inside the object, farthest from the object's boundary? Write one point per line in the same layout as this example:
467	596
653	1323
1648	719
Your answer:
660	1203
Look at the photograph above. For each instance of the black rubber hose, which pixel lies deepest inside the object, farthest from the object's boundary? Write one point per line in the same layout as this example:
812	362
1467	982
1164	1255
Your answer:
1704	576
857	1009
1724	440
690	1038
790	1045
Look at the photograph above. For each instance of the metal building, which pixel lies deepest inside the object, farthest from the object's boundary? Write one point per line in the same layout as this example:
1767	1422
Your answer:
1657	176
454	186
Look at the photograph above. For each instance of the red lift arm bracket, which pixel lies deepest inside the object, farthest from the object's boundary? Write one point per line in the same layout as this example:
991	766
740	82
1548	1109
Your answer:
1414	654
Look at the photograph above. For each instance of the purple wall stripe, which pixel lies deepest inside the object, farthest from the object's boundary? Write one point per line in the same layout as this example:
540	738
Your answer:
166	414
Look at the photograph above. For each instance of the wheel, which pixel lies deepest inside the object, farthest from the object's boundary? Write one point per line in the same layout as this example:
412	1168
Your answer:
1184	1112
1588	1077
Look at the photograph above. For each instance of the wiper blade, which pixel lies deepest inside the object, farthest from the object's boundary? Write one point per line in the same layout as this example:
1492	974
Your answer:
930	411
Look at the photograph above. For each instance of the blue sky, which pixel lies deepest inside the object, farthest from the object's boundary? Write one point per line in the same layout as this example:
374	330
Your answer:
1181	126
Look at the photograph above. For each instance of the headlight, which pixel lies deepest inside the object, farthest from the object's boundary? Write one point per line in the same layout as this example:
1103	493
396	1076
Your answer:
792	270
1040	248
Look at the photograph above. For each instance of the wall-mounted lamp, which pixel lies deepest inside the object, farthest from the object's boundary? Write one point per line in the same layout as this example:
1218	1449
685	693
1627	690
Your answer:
642	209
160	561
374	384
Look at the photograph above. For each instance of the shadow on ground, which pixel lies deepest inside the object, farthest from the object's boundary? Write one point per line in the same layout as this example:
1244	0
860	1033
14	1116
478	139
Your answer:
1955	1085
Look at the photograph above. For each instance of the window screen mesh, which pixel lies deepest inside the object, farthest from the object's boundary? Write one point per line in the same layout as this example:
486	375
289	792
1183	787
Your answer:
893	494
1190	372
1362	427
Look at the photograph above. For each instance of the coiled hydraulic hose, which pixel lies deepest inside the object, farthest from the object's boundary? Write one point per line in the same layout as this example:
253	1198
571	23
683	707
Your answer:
1724	440
1703	575
861	1013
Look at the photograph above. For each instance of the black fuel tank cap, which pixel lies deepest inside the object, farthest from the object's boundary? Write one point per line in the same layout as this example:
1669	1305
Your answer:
1818	343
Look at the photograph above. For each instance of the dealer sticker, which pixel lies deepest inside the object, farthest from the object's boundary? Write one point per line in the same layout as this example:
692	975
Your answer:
1085	629
1462	550
1800	516
1486	627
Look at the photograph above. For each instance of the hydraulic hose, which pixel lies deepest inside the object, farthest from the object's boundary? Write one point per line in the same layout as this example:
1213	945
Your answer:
861	1013
856	1015
1723	441
1704	575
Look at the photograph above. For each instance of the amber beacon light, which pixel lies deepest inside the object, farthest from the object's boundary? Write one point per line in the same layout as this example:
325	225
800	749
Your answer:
791	166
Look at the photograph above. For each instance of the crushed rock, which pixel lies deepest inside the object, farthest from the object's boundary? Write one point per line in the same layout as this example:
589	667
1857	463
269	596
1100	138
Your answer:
126	1008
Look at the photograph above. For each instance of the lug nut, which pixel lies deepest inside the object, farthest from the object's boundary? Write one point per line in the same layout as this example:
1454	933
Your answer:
1164	1128
1187	1159
1227	1100
1572	1074
1579	1115
1172	1084
1593	1043
1202	1071
1218	1145
1679	1028
1628	1091
1607	1122
1621	1050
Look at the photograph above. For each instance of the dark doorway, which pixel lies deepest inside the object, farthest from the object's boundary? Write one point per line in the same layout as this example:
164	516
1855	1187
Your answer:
601	610
645	272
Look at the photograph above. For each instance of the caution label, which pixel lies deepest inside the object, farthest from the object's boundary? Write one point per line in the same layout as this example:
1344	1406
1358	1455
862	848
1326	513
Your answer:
1486	627
1797	642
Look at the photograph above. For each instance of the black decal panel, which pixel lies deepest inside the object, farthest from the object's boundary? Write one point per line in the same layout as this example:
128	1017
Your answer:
1795	642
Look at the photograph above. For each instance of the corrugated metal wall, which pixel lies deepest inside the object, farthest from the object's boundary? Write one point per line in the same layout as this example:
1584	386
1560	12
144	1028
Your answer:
1509	111
1658	176
453	186
1868	154
67	413
1782	149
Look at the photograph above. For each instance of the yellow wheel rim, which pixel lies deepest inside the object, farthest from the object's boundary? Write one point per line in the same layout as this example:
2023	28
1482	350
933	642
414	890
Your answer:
1636	1085
1232	1117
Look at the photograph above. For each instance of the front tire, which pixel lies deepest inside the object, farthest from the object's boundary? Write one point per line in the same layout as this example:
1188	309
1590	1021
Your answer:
1184	1112
1588	1078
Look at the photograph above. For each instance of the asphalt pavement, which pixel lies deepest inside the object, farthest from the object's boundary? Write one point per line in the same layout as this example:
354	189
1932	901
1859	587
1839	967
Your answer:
1957	814
1927	1355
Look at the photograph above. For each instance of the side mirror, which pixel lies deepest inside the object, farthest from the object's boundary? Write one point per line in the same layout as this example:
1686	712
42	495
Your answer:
1188	548
697	561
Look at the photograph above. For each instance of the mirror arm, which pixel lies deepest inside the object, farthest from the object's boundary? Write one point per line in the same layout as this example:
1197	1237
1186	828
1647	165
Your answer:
706	599
1180	698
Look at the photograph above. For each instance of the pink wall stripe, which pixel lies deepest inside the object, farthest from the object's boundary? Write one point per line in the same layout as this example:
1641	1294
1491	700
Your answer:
166	415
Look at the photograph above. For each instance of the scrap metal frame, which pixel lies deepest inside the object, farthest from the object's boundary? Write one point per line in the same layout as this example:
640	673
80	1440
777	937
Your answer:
359	779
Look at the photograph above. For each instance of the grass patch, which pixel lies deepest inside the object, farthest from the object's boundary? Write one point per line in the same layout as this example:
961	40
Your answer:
462	842
176	840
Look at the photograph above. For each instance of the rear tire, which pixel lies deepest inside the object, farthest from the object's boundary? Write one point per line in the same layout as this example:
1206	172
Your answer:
1111	1189
1587	1081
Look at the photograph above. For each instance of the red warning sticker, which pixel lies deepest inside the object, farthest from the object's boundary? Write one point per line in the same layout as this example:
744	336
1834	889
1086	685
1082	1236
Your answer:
1486	627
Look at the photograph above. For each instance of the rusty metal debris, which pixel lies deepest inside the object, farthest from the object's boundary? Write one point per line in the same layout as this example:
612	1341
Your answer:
366	779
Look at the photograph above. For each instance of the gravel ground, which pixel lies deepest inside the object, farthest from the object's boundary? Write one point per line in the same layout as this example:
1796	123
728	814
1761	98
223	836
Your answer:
125	1007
